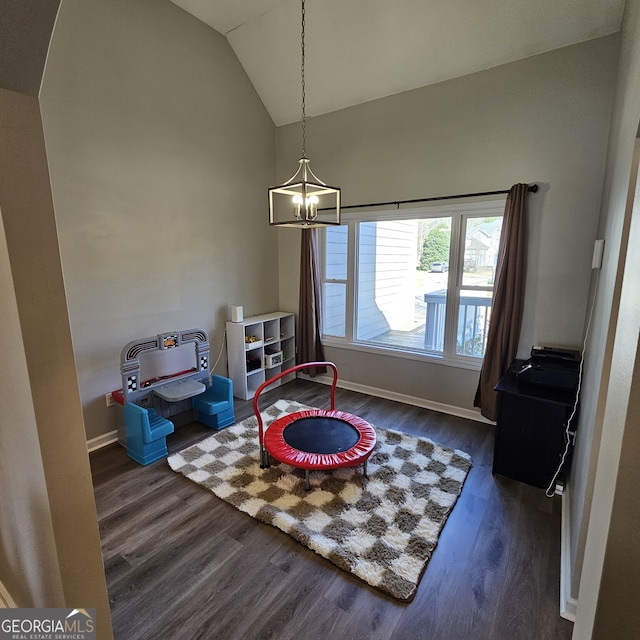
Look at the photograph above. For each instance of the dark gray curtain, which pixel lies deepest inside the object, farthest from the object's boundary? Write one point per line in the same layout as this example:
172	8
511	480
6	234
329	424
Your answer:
310	313
508	300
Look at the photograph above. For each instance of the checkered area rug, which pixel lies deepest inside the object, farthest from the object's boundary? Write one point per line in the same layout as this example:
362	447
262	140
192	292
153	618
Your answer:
382	529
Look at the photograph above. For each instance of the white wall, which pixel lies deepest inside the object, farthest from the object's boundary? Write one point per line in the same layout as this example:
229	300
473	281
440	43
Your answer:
49	540
544	119
608	413
160	155
618	613
28	562
29	568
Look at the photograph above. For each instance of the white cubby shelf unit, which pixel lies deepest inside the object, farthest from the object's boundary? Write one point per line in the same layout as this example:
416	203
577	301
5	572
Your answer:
258	349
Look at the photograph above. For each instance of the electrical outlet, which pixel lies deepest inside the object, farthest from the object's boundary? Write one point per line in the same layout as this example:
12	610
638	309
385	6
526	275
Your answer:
110	401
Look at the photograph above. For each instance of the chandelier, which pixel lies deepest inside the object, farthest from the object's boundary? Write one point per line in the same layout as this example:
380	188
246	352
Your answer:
304	201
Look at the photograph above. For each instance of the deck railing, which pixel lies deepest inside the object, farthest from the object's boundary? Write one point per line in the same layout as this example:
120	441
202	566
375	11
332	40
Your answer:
473	323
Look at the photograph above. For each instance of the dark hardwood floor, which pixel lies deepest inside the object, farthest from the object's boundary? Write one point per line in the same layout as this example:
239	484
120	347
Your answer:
182	564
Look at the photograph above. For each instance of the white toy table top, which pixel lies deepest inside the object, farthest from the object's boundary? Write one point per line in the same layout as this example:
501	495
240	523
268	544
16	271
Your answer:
180	390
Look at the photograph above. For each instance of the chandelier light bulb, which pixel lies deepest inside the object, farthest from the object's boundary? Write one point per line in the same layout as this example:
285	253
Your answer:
310	207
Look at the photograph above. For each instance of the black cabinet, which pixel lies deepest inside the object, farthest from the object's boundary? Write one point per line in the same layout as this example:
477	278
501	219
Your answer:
531	431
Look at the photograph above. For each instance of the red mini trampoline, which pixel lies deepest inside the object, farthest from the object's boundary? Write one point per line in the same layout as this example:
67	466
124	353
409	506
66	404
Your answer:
315	439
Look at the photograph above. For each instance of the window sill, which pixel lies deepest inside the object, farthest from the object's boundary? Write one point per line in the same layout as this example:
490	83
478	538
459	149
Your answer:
458	362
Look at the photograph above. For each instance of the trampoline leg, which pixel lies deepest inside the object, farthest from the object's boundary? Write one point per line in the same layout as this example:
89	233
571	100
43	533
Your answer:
364	469
307	485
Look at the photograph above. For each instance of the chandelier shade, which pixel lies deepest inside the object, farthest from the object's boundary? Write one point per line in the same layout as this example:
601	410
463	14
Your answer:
304	201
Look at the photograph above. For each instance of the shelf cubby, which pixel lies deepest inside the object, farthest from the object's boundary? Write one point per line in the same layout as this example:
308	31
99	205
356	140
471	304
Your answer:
259	348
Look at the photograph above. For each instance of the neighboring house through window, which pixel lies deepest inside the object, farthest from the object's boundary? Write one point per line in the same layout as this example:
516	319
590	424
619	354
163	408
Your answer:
418	282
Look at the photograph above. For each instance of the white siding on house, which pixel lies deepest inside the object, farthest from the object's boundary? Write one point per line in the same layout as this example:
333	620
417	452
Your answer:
335	292
387	264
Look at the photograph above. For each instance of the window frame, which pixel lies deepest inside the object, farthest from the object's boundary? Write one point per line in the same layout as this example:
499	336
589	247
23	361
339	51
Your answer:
460	213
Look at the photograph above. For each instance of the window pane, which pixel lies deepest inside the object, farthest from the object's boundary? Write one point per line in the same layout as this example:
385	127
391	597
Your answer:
435	306
481	242
434	263
473	322
402	282
334	309
336	253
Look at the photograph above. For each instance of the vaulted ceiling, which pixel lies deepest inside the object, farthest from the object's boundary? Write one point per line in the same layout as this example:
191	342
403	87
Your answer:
360	50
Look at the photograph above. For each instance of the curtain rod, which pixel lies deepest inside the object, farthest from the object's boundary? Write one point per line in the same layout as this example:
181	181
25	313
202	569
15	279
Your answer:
533	188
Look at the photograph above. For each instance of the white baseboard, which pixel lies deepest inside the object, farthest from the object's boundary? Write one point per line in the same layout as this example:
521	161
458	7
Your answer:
6	601
102	441
568	605
111	437
470	414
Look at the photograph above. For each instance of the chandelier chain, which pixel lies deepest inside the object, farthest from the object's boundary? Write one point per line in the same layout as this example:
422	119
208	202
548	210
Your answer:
304	114
304	201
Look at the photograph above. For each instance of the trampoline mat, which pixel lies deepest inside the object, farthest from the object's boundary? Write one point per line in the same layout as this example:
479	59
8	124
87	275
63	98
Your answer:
321	434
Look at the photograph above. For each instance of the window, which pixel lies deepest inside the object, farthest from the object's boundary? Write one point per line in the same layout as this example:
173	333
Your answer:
417	281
